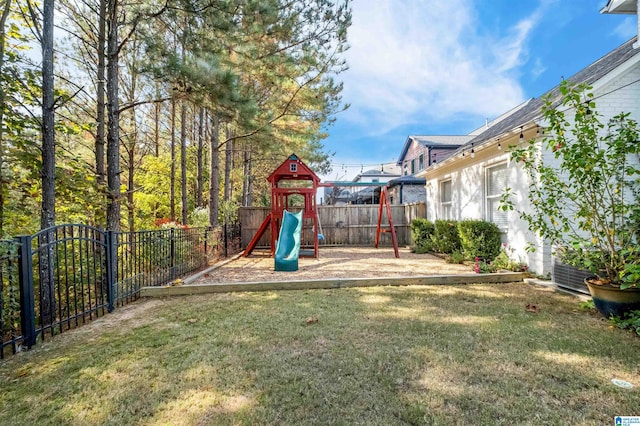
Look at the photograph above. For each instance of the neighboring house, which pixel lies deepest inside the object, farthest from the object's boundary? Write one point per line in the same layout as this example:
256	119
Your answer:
374	175
359	192
419	152
468	184
407	189
371	194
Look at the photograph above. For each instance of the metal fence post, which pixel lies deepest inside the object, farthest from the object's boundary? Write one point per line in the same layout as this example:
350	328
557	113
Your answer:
111	269
27	303
172	254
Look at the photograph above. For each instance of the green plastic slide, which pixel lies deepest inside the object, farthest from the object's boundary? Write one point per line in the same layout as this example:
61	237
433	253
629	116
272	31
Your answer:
288	246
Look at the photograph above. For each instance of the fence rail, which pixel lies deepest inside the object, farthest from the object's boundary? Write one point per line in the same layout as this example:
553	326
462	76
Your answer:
66	275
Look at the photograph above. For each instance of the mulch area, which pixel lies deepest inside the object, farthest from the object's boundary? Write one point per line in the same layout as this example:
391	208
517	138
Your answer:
335	262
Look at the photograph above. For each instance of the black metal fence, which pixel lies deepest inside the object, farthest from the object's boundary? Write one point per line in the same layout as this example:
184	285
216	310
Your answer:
66	275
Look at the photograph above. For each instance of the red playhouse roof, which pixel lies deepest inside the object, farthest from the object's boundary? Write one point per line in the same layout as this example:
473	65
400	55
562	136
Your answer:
293	168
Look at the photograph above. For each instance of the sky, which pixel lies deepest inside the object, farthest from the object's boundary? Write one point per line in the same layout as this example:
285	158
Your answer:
426	67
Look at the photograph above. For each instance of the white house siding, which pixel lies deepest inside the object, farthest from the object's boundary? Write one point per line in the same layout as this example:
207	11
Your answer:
618	92
614	95
469	202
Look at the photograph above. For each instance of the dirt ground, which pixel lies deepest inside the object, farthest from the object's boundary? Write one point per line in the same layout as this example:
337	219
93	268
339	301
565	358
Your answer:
335	262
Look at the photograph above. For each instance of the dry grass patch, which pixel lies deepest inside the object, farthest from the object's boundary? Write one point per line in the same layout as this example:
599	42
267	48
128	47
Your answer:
409	355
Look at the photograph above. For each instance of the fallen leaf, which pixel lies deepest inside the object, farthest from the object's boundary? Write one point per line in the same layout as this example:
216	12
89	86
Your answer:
532	308
311	320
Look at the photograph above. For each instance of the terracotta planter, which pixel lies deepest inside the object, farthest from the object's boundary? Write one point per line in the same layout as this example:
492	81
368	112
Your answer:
611	300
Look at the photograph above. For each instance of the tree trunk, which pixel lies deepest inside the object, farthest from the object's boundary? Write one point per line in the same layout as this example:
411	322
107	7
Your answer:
214	172
249	178
113	113
183	160
100	112
48	213
130	176
200	182
245	182
172	185
100	104
156	130
3	34
228	165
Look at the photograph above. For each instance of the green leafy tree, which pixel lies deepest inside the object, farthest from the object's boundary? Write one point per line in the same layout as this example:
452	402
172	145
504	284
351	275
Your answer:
586	200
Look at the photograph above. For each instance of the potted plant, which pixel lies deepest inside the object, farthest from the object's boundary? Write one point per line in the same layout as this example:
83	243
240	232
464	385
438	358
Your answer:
584	194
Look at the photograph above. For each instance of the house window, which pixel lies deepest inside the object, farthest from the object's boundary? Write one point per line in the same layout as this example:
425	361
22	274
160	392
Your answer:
421	162
495	184
293	167
413	166
445	200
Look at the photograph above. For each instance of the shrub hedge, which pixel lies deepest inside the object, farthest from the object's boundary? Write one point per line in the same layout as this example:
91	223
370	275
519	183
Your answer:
446	238
421	232
473	238
479	238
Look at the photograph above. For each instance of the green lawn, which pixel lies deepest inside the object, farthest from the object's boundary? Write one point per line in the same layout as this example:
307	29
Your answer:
386	355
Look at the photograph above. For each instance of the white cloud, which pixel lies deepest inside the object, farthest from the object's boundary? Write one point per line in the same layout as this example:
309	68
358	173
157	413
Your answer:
414	61
538	68
627	28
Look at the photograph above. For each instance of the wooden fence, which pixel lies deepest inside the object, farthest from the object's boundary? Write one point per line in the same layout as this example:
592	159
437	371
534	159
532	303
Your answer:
353	225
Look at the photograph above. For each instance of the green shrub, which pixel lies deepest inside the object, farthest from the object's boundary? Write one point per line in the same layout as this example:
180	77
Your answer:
420	249
479	238
630	321
421	232
482	267
505	261
456	257
588	305
445	238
